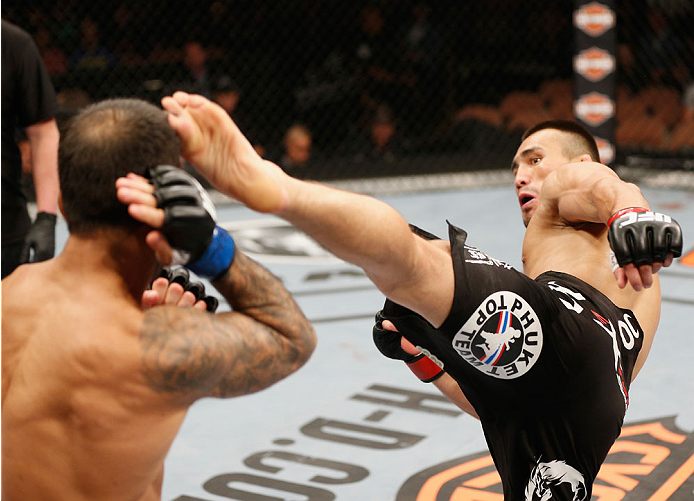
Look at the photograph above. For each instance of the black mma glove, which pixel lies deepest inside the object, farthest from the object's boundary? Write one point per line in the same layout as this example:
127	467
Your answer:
640	236
189	222
40	239
388	343
182	277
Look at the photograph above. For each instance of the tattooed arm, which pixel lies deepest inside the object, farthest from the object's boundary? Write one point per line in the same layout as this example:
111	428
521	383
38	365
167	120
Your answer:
194	354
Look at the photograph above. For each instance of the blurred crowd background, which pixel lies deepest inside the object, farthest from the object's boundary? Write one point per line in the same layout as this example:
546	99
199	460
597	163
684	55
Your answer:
346	88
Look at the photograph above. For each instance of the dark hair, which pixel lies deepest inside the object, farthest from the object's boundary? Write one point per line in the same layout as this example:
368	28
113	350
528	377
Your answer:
103	142
581	141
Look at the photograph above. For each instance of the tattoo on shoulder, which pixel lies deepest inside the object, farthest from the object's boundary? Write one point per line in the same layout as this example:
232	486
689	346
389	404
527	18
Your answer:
182	351
196	354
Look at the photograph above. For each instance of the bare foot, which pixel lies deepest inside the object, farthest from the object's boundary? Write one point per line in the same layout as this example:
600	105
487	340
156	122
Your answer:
212	142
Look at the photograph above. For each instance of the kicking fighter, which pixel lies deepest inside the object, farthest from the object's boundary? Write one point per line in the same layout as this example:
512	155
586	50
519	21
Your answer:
97	376
549	373
545	357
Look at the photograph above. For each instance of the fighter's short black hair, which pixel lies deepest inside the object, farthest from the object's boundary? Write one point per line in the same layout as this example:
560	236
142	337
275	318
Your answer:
103	142
581	141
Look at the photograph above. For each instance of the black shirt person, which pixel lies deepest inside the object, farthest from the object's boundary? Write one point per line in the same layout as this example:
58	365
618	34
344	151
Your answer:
29	103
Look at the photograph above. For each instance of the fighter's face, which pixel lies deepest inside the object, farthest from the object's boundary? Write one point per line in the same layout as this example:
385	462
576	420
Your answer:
538	156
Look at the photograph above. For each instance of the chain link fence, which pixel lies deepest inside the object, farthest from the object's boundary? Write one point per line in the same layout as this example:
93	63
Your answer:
342	89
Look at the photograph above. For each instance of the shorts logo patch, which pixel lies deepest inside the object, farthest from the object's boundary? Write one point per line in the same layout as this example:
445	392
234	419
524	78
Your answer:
503	338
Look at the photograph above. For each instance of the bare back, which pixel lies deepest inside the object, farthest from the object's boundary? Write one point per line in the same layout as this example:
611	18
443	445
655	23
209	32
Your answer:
78	419
582	250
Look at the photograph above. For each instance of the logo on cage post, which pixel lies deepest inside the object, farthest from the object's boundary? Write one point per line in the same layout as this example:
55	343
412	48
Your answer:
594	108
605	149
594	19
594	64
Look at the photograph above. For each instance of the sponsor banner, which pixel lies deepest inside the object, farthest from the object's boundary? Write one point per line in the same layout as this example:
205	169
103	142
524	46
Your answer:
594	66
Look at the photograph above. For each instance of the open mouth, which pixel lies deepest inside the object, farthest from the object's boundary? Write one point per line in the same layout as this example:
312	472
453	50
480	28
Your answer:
525	199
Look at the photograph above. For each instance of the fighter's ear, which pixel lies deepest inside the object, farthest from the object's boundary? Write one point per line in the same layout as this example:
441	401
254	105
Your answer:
585	158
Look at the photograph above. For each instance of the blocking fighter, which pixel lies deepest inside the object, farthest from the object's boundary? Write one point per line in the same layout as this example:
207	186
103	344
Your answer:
544	357
97	375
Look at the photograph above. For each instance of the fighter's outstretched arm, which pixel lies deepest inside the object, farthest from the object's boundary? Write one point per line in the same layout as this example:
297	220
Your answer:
359	229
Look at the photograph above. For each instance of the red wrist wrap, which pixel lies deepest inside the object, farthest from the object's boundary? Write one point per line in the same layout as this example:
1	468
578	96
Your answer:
621	212
425	369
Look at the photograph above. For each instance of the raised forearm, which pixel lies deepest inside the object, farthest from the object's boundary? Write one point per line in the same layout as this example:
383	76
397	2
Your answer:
43	140
608	195
591	192
252	290
192	354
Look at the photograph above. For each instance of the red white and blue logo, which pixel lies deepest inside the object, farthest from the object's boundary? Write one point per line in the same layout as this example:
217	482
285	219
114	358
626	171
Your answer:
497	343
503	338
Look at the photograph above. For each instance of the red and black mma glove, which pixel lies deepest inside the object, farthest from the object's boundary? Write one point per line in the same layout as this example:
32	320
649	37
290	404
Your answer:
190	223
182	277
388	343
640	236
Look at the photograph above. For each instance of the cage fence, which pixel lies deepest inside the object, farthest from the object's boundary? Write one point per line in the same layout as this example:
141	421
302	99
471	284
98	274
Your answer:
339	90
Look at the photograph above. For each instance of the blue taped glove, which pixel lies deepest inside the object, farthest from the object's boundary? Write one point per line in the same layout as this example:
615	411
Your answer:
217	258
189	223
